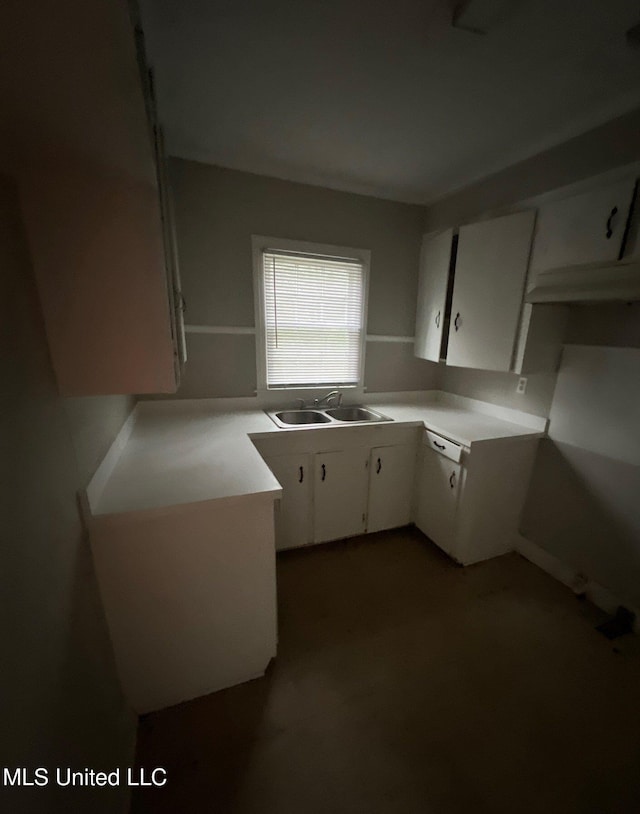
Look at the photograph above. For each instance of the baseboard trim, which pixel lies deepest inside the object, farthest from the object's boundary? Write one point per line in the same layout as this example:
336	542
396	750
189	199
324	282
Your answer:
579	583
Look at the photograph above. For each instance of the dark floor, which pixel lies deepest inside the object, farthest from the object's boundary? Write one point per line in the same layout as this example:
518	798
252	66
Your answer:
407	685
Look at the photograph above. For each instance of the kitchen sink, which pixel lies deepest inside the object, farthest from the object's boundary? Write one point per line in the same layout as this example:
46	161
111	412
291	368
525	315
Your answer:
334	416
355	414
302	417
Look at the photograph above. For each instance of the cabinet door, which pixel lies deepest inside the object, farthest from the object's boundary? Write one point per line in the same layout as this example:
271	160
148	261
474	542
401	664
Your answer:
174	283
490	272
582	229
340	494
435	262
391	471
89	197
438	499
293	515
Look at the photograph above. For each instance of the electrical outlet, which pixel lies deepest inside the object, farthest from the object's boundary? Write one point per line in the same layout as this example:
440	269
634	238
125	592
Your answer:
522	385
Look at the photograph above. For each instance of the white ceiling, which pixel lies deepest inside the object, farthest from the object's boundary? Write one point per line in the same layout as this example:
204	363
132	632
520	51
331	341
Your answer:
385	97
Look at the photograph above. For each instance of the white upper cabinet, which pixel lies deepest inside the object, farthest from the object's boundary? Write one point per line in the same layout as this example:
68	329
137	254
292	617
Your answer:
89	189
471	311
435	265
587	228
582	229
490	272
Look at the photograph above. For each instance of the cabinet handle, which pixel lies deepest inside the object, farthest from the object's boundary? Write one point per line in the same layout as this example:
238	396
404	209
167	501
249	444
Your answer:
324	472
456	321
440	446
612	215
438	319
301	478
452	480
379	467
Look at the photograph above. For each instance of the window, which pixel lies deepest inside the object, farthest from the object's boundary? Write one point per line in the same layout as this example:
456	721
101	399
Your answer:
311	314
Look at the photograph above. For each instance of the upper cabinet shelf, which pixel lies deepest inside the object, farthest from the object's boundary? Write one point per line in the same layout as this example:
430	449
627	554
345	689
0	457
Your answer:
588	283
88	176
583	249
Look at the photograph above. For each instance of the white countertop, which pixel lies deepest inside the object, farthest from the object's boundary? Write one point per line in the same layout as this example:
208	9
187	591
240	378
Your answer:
186	456
455	423
192	451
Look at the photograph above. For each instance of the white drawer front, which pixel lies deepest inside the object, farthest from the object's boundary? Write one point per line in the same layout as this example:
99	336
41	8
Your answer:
443	446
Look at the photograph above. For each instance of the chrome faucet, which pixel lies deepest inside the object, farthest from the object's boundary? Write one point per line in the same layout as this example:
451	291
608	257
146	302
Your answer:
325	400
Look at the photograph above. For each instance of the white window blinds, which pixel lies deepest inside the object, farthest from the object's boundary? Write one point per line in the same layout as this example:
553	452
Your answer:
313	319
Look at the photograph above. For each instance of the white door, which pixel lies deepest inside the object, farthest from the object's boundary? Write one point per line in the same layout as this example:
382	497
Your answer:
582	229
391	471
438	491
490	272
293	514
340	494
435	261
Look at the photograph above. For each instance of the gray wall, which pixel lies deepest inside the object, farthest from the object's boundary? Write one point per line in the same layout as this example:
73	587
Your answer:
574	503
217	211
615	325
583	499
94	422
61	700
597	151
582	508
600	150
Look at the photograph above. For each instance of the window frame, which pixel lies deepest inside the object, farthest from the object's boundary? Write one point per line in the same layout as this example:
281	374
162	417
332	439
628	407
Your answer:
258	244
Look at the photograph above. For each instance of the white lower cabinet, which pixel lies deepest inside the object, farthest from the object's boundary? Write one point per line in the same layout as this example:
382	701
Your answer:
293	512
189	593
469	500
338	483
465	500
438	490
340	494
391	478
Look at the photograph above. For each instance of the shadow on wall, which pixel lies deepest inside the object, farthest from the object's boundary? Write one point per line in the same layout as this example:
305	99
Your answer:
583	508
60	699
66	710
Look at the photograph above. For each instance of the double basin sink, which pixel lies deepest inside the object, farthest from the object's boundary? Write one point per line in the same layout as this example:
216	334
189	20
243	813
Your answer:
330	415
